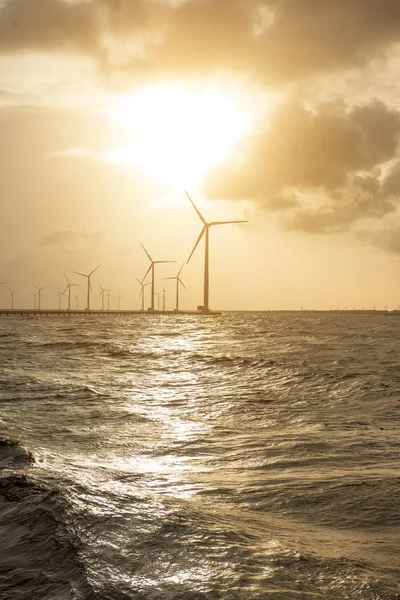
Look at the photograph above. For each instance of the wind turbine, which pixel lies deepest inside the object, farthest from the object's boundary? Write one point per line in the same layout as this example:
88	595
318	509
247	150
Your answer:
89	285
151	267
69	286
109	295
178	281
59	296
103	291
119	298
34	300
158	294
11	297
141	293
39	292
206	230
76	296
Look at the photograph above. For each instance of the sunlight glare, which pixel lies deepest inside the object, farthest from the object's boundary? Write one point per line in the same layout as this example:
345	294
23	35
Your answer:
177	134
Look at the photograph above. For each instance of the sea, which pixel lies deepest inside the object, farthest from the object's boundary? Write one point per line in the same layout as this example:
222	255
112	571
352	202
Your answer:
244	456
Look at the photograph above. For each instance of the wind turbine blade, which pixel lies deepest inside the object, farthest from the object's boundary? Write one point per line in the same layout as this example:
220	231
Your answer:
91	272
181	282
148	271
101	287
169	278
197	243
180	270
195	208
141	292
146	252
66	278
149	283
77	273
66	289
138	280
36	287
159	262
226	222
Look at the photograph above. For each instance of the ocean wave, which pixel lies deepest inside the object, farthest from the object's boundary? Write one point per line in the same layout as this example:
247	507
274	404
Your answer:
39	552
14	455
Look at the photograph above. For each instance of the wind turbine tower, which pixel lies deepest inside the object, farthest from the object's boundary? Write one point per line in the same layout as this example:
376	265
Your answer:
89	285
59	296
11	297
151	268
178	281
141	293
206	230
69	286
103	291
39	295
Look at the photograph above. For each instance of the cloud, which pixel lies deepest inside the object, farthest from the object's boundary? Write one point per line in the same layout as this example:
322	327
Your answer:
322	168
271	40
68	239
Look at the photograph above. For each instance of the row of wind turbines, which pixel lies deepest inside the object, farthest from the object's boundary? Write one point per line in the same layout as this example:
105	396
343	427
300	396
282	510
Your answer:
105	293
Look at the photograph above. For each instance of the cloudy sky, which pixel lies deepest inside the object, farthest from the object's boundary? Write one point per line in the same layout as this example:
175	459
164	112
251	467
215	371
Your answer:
281	112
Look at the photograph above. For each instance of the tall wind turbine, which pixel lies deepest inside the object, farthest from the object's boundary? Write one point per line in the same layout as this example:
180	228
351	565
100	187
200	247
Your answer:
178	281
141	293
151	268
69	286
11	297
39	294
206	230
89	285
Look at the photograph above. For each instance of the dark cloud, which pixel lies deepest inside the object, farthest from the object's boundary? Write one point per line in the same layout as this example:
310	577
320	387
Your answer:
268	39
332	155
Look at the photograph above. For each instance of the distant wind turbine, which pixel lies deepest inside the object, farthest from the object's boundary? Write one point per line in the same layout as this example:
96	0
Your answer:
39	294
205	230
141	293
34	300
151	268
76	296
11	297
69	286
89	285
178	281
59	296
103	291
119	298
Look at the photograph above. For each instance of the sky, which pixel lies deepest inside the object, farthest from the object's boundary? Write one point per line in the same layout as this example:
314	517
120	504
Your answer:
283	113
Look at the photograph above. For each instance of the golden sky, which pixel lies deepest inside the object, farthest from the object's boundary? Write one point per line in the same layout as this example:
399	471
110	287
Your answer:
282	112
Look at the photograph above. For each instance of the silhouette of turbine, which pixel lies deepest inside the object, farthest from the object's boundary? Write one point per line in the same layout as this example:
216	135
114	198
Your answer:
39	294
11	297
89	285
69	286
34	300
151	268
178	281
103	291
59	296
141	293
205	230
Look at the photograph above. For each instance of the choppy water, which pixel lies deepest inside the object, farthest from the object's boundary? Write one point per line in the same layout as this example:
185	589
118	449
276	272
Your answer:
238	457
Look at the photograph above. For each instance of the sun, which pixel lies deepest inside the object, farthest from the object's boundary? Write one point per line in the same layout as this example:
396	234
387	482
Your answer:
177	133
